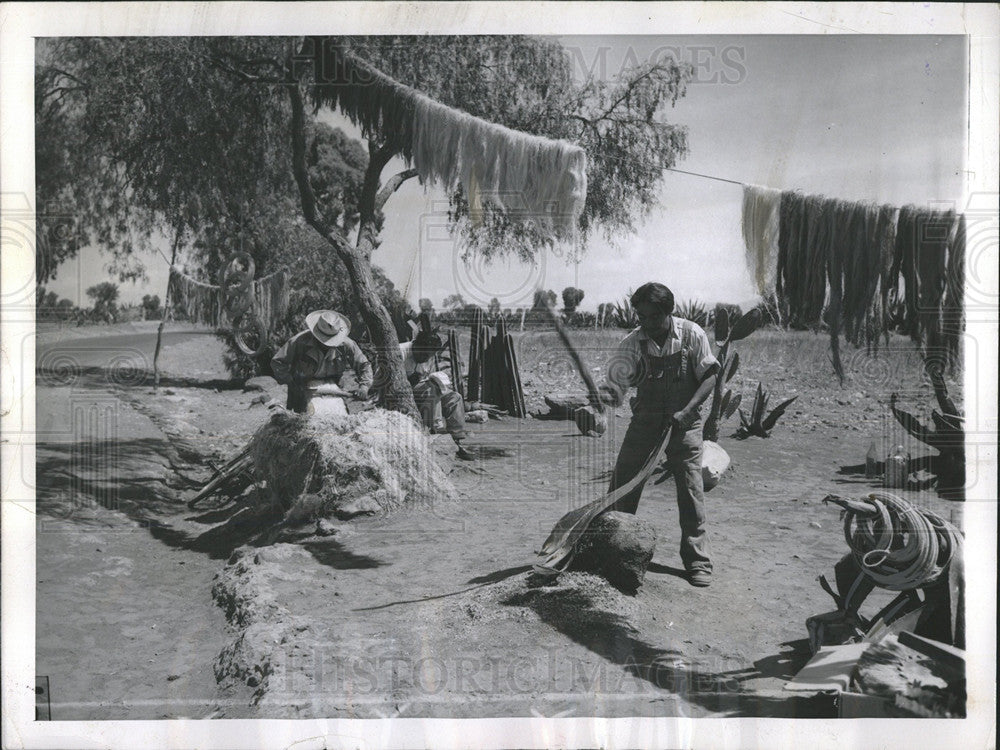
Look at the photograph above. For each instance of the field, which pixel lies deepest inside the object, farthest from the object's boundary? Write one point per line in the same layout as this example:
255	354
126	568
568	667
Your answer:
433	613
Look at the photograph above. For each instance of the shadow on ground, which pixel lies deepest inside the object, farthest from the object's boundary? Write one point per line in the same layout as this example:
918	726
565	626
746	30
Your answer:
572	613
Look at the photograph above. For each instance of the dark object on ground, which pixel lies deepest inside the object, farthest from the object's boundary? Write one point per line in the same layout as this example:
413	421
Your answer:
560	546
590	421
947	437
913	682
230	480
564	407
261	383
619	547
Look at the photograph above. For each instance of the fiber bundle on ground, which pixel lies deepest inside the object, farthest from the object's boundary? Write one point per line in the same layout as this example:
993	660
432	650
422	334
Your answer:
529	177
317	465
761	222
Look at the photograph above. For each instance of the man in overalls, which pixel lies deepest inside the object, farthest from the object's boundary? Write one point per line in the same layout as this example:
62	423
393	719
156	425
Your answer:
312	362
670	362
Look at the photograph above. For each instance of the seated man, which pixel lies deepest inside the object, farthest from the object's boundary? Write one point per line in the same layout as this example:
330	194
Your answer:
432	387
312	362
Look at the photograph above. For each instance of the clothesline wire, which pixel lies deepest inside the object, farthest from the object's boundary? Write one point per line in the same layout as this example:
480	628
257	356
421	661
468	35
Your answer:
706	176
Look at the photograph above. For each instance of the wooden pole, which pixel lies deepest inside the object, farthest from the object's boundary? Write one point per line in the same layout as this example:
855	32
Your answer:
166	308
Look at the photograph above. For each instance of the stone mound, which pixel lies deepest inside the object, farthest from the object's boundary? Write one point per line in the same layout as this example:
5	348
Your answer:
378	461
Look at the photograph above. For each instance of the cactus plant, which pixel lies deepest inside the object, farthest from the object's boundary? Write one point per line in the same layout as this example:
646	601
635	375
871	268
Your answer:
757	424
725	405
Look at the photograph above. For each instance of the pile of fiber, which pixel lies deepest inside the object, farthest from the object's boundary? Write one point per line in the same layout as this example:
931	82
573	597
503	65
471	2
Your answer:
318	466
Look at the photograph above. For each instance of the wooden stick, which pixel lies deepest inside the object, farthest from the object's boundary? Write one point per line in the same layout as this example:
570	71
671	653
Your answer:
581	367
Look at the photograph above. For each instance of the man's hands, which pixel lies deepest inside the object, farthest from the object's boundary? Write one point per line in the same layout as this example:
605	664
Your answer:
327	389
684	418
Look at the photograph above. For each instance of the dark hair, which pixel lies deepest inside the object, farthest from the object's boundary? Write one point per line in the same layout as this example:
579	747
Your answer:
656	294
428	341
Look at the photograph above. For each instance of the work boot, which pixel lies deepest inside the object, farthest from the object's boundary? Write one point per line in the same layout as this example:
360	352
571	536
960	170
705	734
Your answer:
700	578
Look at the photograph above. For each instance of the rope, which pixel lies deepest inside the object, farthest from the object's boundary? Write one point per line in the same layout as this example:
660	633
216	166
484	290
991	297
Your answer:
898	546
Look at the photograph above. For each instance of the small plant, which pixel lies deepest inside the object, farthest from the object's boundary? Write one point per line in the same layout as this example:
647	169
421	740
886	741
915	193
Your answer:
623	315
757	424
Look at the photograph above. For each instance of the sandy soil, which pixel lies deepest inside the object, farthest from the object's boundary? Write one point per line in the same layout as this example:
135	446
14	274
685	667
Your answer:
435	614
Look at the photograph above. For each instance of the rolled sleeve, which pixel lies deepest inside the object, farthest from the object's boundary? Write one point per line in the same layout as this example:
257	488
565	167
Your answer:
281	365
701	353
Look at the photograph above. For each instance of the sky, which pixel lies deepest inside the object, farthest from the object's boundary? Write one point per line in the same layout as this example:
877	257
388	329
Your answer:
881	118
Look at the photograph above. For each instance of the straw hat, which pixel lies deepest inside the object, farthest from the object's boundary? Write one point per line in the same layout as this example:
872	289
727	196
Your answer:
329	327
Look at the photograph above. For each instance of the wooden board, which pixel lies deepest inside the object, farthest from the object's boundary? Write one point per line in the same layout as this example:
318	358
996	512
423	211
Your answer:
474	390
456	363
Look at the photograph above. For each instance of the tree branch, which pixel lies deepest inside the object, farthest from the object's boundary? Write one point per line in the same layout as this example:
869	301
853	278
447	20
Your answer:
392	186
301	172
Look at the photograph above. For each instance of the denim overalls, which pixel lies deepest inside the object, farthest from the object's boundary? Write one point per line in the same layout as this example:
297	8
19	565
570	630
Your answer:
665	385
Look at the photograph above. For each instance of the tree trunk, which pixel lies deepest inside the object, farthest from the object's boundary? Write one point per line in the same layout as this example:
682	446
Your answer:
397	391
166	310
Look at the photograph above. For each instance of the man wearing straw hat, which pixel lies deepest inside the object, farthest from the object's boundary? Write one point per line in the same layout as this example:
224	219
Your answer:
312	362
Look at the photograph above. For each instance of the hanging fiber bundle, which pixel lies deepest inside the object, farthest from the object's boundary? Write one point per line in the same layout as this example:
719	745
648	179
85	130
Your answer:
860	269
933	229
820	222
531	178
201	302
953	304
204	303
835	231
905	268
271	296
886	243
787	282
761	227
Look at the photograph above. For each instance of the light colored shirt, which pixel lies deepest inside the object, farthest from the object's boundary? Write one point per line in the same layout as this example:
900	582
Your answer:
625	363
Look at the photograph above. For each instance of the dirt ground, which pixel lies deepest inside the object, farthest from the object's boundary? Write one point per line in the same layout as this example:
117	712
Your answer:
435	614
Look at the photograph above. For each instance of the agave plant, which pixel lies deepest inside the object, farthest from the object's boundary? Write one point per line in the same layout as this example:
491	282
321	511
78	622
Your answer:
694	311
757	424
623	314
725	405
